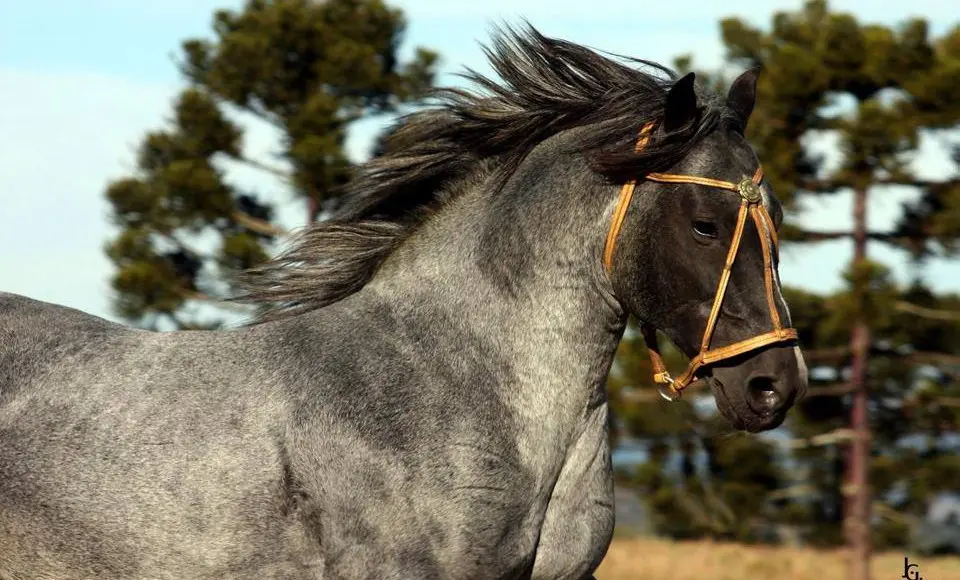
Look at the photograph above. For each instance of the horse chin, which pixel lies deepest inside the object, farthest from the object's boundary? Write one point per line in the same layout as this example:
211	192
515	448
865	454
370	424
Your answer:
741	417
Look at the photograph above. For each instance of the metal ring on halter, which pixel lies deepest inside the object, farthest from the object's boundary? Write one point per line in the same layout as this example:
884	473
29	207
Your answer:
667	391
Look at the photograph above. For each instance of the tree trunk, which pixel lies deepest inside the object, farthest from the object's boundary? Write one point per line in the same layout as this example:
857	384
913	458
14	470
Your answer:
857	521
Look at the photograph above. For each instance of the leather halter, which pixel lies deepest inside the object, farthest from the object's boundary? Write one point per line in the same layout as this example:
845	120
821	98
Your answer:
752	204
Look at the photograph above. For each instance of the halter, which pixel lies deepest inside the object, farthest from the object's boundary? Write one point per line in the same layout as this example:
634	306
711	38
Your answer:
751	203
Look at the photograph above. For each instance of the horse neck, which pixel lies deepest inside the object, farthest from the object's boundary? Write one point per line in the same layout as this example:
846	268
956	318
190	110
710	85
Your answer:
523	278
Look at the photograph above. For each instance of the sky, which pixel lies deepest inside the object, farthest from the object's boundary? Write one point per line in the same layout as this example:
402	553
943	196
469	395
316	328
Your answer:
82	82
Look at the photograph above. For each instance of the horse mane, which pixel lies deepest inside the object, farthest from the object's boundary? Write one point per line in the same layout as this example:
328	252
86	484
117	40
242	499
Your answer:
547	86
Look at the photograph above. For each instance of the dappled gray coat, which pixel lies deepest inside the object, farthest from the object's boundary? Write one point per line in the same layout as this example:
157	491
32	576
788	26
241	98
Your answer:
426	398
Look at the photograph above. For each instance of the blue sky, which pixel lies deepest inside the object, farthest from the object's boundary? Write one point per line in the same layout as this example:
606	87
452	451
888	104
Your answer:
81	82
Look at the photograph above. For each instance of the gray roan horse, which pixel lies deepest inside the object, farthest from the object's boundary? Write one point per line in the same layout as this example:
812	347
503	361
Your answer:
424	397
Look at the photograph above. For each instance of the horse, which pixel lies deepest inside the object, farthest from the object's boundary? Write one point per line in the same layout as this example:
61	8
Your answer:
423	394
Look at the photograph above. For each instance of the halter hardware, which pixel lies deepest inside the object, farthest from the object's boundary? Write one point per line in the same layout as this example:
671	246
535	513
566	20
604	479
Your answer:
751	203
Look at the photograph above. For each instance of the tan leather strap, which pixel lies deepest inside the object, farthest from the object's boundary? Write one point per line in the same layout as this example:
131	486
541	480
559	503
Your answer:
626	194
751	206
716	355
707	181
725	277
768	274
660	373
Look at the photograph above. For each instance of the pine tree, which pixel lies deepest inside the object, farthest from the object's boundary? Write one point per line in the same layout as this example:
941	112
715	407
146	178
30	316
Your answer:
308	70
899	80
913	395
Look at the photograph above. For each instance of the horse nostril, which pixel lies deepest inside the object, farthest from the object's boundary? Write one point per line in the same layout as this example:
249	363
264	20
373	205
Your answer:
761	394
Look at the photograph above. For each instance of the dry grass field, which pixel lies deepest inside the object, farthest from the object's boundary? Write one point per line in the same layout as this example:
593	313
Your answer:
648	558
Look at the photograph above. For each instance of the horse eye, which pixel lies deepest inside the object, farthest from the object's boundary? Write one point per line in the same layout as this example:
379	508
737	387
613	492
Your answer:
705	229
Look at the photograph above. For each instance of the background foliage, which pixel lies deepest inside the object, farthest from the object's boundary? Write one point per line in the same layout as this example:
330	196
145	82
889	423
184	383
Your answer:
308	69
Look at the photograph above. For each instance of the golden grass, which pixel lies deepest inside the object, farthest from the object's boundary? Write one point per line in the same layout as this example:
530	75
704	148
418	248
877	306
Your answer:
648	558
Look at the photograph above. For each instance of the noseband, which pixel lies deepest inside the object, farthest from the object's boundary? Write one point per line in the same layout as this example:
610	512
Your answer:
751	203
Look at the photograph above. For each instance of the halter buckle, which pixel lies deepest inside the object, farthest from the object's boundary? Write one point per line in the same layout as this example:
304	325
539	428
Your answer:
749	190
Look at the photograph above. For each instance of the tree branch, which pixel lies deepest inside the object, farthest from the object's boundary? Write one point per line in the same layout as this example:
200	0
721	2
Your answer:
834	354
792	491
258	112
934	358
285	176
219	302
890	513
645	396
924	312
264	115
256	224
185	247
835	390
820	355
802	235
830	185
835	436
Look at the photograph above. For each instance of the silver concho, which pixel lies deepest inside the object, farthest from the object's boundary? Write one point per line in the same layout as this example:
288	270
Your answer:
749	190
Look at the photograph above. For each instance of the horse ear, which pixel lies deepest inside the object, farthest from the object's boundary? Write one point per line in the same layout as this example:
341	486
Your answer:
681	107
743	94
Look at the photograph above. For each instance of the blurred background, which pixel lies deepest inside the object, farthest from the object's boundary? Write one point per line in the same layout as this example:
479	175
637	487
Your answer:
151	149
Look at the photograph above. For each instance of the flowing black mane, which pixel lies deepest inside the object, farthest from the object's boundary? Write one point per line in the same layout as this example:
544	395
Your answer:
548	86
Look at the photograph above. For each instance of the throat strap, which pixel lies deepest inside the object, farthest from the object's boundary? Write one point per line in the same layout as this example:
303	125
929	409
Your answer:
750	206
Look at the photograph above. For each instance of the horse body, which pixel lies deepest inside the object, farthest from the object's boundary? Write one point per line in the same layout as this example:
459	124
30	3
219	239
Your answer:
392	434
173	472
430	400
